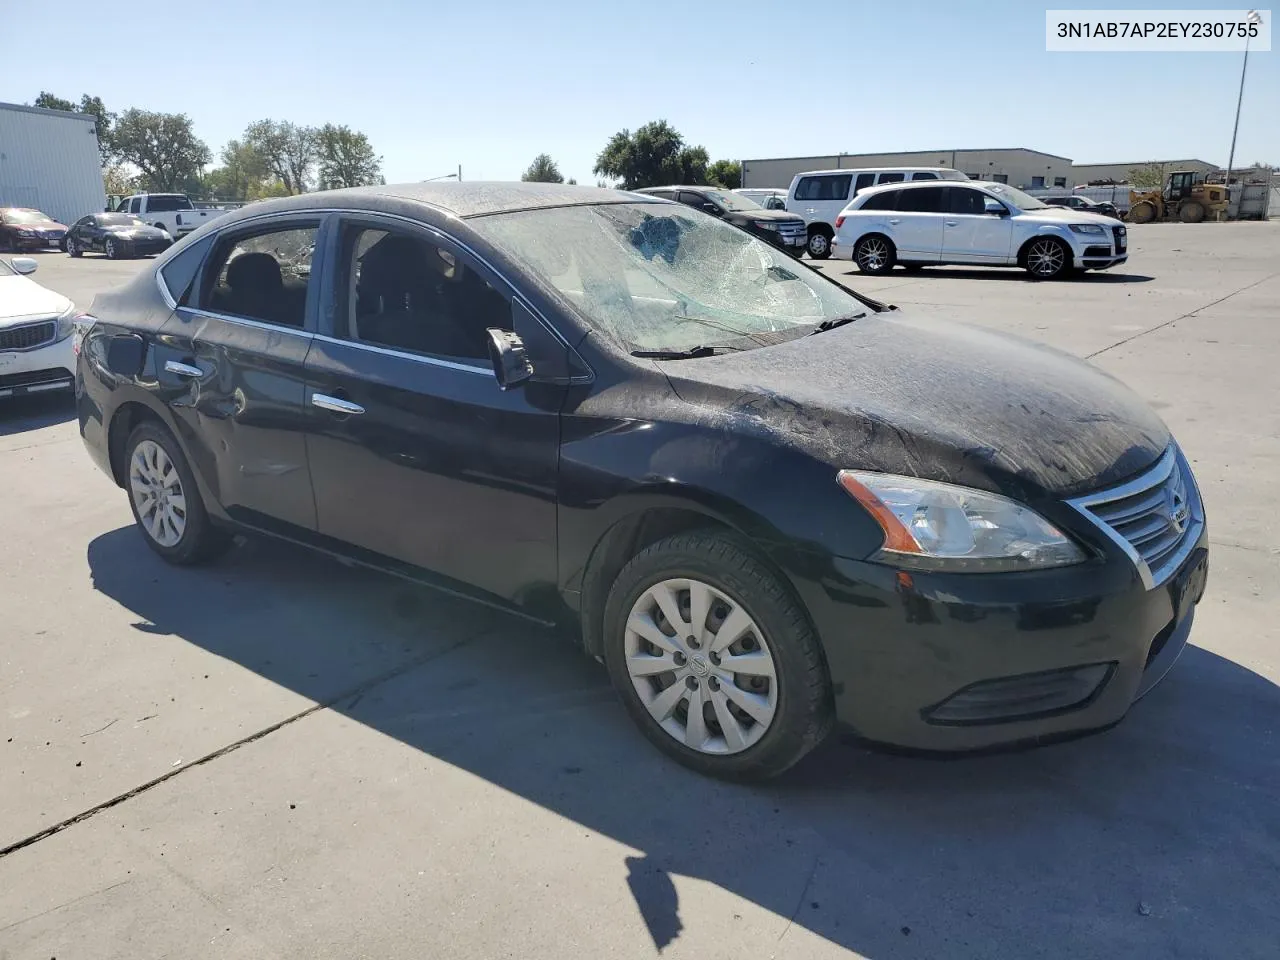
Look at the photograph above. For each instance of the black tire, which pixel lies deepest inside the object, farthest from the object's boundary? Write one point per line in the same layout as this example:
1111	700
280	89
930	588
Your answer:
819	245
110	249
73	249
201	541
804	713
868	258
1036	259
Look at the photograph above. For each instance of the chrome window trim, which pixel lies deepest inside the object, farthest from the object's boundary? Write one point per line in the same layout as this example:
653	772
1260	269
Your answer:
404	355
248	322
1156	476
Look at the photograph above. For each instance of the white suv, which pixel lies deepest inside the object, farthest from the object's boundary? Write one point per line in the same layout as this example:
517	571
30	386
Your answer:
916	224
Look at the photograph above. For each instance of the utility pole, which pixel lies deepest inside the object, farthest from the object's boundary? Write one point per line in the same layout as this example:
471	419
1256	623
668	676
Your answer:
1254	18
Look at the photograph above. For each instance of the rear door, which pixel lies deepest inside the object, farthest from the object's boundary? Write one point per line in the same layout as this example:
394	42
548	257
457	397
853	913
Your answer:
416	454
976	231
918	224
238	343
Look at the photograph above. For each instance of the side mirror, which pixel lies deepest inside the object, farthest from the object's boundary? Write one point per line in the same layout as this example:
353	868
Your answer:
507	354
712	209
24	265
997	211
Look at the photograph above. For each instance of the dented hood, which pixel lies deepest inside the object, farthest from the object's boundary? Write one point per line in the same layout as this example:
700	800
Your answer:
934	399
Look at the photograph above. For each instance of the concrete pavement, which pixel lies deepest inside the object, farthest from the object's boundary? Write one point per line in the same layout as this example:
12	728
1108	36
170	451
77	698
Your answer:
278	756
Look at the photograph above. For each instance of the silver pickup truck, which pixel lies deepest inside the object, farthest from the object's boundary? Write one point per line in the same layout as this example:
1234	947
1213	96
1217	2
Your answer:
173	212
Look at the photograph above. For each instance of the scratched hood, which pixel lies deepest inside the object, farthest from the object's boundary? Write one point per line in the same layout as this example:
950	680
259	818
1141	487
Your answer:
935	399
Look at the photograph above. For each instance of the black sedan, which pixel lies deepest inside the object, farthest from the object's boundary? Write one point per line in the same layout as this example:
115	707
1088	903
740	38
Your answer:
768	504
777	227
116	236
1084	204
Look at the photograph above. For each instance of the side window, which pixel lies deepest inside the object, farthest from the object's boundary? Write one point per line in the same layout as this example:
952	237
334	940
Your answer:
833	187
775	203
921	200
180	270
83	222
262	276
892	177
864	180
882	201
967	202
406	293
696	200
1037	182
663	194
924	175
135	205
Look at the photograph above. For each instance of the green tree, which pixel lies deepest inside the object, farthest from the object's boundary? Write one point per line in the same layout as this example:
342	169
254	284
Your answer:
347	158
242	172
162	146
543	170
92	106
726	173
288	151
654	155
117	181
1148	177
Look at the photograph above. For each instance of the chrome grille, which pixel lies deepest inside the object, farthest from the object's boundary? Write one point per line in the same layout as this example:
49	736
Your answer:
1156	519
791	229
28	335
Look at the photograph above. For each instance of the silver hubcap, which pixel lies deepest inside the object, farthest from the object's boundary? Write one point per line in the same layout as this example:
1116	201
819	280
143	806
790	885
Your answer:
873	254
817	243
157	494
701	666
1045	258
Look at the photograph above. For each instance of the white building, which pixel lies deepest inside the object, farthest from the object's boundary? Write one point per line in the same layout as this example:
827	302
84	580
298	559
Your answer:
49	161
1016	166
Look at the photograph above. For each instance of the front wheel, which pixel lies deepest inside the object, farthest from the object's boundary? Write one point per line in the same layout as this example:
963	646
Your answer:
874	255
111	250
165	500
1047	259
73	248
714	660
819	245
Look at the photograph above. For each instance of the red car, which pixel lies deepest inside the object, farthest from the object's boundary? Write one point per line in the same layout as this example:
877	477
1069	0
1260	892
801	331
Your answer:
24	229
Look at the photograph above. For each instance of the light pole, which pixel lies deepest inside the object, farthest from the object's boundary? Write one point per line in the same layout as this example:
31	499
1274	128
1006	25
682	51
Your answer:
1254	17
447	176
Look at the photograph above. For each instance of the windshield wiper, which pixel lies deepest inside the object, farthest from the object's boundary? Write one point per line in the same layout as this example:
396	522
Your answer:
690	353
832	322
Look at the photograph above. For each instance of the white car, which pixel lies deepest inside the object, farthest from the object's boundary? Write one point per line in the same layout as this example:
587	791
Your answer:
917	224
35	333
771	198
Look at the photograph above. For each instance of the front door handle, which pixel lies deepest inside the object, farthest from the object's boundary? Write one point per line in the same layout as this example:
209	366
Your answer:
895	220
952	223
182	369
335	404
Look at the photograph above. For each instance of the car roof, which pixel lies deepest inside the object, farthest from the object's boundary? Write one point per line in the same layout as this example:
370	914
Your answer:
682	186
470	199
917	184
890	169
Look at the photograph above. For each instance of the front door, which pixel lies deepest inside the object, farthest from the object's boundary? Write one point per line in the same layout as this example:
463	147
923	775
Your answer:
239	348
978	228
416	454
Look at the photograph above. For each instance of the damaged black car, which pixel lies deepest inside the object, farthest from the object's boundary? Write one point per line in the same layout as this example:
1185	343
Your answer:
770	506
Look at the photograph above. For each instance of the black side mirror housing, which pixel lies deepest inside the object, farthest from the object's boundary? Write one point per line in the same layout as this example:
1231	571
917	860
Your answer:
510	361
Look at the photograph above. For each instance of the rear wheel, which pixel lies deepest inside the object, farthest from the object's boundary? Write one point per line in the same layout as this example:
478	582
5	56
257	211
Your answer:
165	501
1191	211
819	245
714	660
1047	258
874	254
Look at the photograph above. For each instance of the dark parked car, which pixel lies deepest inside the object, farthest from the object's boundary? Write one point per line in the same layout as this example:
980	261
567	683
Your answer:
768	504
116	236
778	227
1084	204
25	229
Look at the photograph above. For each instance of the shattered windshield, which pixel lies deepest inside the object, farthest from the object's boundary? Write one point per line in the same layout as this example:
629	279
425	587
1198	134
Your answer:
658	277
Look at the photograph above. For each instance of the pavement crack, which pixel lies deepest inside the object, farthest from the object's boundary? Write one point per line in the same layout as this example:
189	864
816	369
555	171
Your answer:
355	691
100	729
1190	313
62	906
817	859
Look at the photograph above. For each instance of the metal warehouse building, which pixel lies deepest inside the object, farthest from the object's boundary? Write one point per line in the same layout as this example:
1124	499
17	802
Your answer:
1017	166
49	160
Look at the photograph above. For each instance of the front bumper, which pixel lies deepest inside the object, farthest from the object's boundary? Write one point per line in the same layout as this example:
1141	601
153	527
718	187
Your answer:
956	662
50	367
43	242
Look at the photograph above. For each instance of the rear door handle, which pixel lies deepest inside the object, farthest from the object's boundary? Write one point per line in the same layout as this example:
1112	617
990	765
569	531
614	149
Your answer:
895	219
952	223
335	404
182	369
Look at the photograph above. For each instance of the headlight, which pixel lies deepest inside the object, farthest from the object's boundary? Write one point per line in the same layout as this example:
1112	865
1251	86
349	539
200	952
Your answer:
66	323
766	225
939	526
1087	228
26	233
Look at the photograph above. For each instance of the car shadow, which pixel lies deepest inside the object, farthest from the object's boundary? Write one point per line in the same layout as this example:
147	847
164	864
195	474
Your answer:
33	411
1008	275
1158	838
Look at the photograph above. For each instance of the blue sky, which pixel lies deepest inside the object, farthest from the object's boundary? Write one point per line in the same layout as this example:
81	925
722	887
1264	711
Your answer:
489	85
